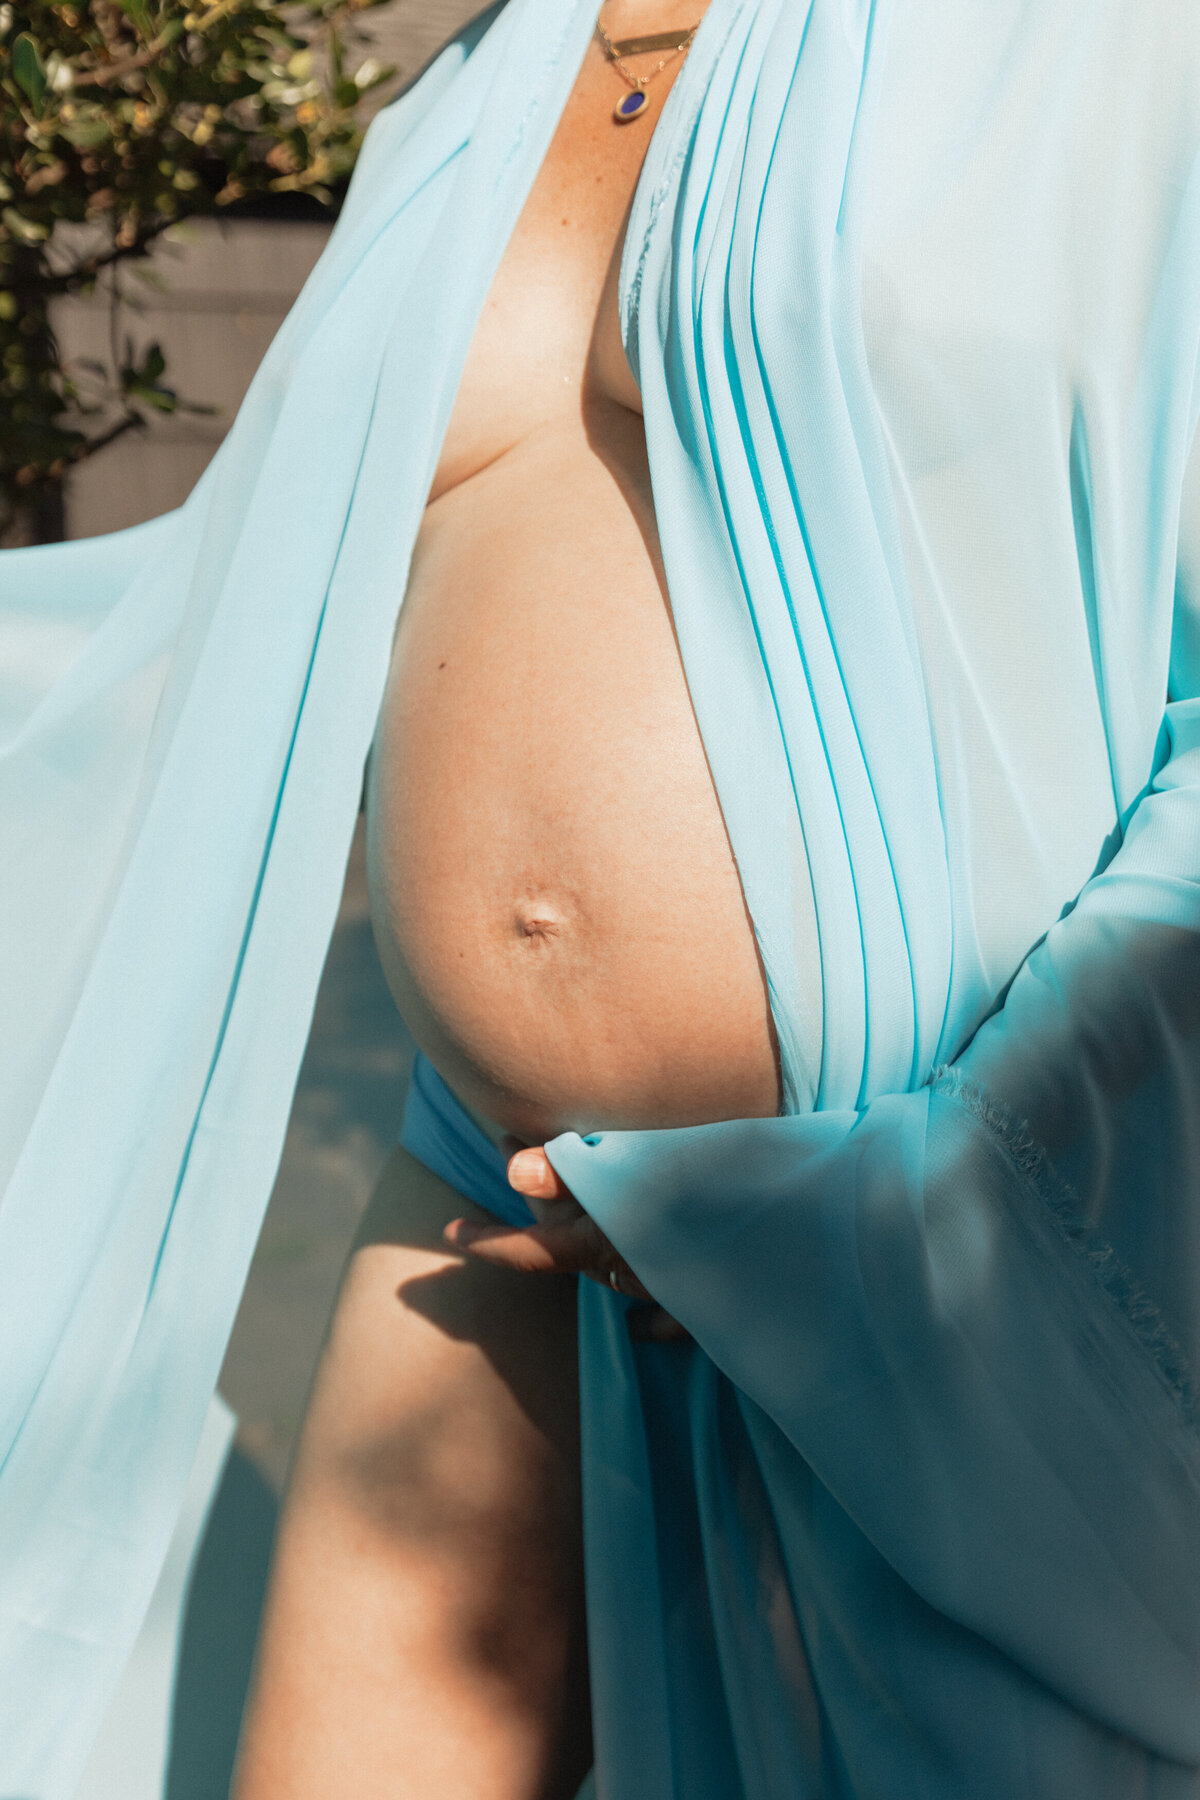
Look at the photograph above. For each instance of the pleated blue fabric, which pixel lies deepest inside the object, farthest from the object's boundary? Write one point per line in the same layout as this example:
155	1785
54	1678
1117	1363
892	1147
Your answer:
913	297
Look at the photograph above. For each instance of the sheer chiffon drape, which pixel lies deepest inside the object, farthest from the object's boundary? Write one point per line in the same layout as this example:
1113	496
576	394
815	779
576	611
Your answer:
914	302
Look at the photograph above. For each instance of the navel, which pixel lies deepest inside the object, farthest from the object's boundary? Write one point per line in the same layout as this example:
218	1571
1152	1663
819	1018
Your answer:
538	921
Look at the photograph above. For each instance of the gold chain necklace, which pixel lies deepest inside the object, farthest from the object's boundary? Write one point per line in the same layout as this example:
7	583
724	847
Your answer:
633	105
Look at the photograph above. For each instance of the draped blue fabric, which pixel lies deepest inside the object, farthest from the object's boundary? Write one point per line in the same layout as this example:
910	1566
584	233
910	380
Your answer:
913	297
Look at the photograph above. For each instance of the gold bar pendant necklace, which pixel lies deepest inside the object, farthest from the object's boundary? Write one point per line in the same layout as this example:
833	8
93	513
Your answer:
632	105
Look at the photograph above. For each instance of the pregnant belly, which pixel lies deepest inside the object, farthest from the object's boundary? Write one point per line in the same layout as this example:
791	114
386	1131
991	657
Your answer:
556	904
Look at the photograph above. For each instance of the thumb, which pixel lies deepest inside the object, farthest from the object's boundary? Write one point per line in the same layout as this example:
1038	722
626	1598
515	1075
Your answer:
532	1174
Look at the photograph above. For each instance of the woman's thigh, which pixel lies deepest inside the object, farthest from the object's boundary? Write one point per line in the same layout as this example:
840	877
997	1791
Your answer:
423	1632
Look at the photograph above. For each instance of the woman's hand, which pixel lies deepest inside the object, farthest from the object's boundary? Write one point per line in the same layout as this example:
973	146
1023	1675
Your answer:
564	1241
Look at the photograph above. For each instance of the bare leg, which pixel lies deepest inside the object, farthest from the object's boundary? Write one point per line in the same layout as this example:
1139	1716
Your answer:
423	1633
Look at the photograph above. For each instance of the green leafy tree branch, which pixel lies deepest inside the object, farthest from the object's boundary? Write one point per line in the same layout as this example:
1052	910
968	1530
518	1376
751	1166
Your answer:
118	119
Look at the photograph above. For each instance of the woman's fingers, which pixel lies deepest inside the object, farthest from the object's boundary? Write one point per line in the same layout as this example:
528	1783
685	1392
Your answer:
533	1250
532	1174
567	1242
570	1245
564	1241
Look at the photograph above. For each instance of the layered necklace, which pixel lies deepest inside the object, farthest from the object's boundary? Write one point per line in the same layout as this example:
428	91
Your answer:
674	43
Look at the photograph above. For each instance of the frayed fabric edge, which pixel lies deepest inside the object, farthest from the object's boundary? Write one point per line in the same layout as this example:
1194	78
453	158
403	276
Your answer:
1061	1203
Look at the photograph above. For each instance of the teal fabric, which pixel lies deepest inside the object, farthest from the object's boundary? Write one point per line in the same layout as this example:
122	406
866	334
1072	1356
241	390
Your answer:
913	297
440	1132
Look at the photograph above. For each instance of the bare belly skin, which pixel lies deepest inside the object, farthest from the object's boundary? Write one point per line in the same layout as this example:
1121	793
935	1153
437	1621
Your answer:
556	903
562	923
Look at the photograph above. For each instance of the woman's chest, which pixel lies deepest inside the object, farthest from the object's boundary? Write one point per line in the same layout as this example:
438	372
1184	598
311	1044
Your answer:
547	350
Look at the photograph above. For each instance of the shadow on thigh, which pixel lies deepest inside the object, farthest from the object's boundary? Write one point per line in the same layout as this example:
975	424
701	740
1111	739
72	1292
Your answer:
455	1385
426	1599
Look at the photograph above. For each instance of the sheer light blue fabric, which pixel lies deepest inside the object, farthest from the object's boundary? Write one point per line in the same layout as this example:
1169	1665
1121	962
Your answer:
913	296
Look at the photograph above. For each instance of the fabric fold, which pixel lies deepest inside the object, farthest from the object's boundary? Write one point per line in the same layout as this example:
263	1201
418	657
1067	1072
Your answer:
892	1290
178	806
914	300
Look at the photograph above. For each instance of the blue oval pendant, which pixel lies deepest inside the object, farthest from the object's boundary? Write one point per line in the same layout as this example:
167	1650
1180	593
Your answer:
630	106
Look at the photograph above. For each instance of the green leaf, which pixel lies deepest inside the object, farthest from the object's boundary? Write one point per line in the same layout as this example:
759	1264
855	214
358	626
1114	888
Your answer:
370	75
138	13
149	277
27	230
86	134
27	69
153	366
161	399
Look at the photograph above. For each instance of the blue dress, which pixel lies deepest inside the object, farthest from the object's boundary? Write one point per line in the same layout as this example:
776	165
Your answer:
913	297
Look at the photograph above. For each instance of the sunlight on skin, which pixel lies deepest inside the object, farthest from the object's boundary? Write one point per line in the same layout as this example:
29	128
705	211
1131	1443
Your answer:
564	1241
